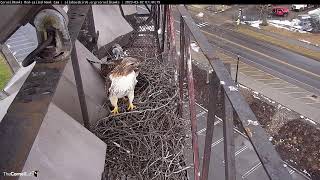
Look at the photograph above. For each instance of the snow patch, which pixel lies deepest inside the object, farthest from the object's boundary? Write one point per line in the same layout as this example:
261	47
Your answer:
253	23
200	15
306	172
255	123
232	88
284	24
195	47
256	97
307	119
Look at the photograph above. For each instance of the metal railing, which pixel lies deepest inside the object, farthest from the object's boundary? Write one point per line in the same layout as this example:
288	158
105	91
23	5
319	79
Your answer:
233	101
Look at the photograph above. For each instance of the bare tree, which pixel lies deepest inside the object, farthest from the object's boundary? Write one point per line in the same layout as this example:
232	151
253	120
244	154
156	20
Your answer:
264	10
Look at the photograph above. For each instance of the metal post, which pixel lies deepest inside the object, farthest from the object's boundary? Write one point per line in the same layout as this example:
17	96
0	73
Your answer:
181	64
81	95
229	154
192	107
236	80
212	108
164	26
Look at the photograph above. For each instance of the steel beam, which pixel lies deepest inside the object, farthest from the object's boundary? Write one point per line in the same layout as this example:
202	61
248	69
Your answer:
212	108
192	107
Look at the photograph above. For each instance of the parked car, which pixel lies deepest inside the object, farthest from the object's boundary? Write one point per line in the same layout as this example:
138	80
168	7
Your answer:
280	11
301	7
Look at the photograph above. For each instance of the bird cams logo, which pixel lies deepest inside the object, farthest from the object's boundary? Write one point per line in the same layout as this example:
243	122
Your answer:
32	173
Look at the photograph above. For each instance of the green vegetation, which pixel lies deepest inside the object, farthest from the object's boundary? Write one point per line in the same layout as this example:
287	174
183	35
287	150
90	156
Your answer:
5	72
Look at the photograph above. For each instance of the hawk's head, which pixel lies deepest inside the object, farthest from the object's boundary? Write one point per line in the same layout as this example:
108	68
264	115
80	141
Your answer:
127	65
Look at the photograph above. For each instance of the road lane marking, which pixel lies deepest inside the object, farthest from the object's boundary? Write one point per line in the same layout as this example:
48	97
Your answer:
200	114
250	171
249	49
217	142
202	24
241	150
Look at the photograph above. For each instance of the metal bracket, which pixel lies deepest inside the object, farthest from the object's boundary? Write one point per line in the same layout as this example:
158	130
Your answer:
53	36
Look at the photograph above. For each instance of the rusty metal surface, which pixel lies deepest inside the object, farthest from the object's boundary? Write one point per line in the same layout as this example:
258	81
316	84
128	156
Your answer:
21	124
267	154
229	149
181	65
213	96
229	152
192	106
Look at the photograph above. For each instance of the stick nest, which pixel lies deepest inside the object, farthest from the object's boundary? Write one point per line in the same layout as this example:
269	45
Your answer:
146	143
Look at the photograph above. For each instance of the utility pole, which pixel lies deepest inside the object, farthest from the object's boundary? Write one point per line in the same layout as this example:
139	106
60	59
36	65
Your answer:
239	17
238	59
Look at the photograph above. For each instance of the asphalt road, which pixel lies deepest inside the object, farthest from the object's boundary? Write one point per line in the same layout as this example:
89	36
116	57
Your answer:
287	65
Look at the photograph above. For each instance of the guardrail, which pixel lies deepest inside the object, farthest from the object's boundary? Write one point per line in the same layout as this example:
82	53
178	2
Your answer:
233	101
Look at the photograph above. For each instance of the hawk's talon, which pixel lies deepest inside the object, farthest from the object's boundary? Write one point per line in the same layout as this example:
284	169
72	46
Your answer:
115	110
131	107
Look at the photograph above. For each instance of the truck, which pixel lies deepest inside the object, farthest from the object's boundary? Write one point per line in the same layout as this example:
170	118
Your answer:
301	7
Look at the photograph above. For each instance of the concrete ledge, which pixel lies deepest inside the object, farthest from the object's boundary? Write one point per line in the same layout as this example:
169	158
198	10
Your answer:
65	150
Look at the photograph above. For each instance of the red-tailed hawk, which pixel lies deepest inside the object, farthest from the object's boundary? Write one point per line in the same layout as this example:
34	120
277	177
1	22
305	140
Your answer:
123	81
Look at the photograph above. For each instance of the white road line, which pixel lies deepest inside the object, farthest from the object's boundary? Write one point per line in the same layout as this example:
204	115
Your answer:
204	129
285	87
201	131
200	114
202	107
250	171
291	171
241	150
296	92
217	142
256	75
312	103
265	79
202	24
250	70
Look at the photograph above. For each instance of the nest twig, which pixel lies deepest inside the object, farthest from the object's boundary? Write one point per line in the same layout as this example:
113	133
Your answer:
146	143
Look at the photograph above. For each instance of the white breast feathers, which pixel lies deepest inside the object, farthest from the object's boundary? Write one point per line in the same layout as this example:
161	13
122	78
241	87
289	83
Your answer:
122	85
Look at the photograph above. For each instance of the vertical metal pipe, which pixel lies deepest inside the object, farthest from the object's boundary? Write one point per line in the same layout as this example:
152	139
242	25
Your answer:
157	25
229	152
213	97
164	26
181	64
238	58
81	95
192	107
